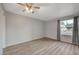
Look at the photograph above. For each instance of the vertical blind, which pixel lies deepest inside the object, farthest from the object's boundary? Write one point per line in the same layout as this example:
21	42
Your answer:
75	39
58	29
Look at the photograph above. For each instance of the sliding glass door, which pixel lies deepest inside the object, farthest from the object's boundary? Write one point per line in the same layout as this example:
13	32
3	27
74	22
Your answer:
66	30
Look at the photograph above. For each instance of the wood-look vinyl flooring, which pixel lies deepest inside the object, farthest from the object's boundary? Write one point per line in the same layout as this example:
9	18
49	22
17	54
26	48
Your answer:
42	46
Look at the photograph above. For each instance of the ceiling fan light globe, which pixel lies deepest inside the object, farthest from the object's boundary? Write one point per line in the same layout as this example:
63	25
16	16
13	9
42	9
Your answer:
26	8
31	10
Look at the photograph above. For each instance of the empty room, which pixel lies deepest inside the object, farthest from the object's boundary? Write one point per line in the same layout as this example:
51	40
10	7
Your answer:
39	28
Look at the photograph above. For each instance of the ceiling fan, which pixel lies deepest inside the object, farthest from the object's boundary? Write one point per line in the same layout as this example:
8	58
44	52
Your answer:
28	7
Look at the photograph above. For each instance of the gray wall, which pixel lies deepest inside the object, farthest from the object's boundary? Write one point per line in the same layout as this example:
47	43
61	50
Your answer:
2	29
22	29
51	29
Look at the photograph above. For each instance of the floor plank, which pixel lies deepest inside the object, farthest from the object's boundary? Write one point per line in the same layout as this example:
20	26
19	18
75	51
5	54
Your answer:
43	46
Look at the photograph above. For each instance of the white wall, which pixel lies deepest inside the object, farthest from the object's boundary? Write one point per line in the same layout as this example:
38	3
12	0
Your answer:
2	29
51	29
37	29
22	29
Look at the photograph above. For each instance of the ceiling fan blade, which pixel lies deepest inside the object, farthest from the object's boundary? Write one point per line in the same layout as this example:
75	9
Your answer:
37	7
21	4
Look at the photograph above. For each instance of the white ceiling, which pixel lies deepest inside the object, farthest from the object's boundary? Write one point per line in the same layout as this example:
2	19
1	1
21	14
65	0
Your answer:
47	11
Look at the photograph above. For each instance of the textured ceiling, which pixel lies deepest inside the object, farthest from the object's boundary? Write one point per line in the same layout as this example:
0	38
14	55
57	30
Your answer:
47	11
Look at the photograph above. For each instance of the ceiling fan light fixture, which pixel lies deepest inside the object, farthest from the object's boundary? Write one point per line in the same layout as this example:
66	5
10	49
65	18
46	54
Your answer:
28	7
29	10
